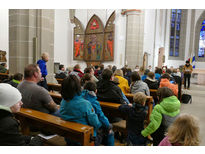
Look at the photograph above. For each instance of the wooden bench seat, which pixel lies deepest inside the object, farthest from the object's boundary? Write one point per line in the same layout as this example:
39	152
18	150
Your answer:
59	80
75	131
54	87
3	76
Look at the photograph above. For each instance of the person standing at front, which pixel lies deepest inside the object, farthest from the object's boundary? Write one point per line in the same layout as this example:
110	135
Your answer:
187	69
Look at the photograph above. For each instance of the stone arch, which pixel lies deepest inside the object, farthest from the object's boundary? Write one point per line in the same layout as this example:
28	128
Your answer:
197	33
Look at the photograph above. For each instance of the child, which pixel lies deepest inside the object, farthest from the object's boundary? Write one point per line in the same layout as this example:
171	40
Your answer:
184	131
163	115
136	116
105	133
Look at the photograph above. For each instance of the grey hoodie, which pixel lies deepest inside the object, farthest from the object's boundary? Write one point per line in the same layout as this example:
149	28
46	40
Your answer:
140	86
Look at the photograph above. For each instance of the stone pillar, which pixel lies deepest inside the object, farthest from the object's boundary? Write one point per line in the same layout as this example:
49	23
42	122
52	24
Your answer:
134	38
31	32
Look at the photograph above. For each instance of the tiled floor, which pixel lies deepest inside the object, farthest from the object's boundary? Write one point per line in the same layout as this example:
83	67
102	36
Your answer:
197	107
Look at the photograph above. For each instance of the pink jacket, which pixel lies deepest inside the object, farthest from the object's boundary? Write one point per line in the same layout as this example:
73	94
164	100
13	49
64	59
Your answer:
165	142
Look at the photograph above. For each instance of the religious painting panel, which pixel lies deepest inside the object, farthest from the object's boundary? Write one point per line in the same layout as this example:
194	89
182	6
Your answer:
94	25
93	50
3	56
78	43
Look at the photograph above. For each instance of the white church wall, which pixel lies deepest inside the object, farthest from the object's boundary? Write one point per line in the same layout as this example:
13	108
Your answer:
4	32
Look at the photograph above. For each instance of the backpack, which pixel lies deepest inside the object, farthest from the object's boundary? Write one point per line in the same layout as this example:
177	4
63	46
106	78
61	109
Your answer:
186	98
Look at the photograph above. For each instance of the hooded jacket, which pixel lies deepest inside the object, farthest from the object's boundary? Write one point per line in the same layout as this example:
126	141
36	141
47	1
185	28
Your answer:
123	84
140	86
108	91
152	84
166	83
91	97
164	113
81	111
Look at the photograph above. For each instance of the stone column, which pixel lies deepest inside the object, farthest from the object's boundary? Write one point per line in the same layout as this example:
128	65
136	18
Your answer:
134	38
31	32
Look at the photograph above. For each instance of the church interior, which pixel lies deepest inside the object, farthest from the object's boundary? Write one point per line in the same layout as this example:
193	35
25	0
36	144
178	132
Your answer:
130	40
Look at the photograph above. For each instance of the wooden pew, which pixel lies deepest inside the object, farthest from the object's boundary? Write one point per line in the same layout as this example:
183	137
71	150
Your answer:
54	87
75	131
59	80
3	76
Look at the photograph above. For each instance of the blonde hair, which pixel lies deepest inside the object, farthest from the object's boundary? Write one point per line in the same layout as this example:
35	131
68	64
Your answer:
44	55
184	130
139	98
118	72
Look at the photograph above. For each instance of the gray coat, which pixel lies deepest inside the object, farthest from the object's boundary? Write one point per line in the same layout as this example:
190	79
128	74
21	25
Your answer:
140	86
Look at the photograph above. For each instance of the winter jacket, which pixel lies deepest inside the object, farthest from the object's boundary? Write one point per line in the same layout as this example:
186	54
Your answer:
9	132
81	111
91	97
14	83
78	73
140	86
135	120
42	65
166	83
123	84
152	84
157	76
165	142
187	69
164	113
108	91
2	69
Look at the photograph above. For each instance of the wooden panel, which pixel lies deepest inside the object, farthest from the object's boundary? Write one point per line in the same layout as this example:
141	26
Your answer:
75	131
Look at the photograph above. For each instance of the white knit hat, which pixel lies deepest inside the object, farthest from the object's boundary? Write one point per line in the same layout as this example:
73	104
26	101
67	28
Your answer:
9	95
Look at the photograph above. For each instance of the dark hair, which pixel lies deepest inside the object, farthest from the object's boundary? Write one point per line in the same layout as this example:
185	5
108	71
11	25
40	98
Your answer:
158	70
187	61
96	66
114	68
101	67
146	71
107	74
3	64
61	66
151	75
77	66
168	71
29	70
86	77
90	85
165	76
164	92
18	76
88	69
135	76
70	87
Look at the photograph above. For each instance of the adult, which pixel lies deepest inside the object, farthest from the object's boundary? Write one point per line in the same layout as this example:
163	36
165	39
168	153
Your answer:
75	108
3	68
9	127
42	65
138	85
90	70
163	115
77	72
107	90
187	70
34	96
62	74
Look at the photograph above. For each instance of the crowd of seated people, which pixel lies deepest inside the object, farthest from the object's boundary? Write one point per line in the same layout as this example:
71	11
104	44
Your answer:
81	93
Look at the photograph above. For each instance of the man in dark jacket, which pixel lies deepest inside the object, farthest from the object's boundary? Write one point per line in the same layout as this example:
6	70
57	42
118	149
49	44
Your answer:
9	127
107	90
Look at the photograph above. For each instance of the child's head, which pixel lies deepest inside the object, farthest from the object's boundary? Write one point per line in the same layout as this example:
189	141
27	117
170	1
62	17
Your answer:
91	86
139	98
184	130
164	92
87	77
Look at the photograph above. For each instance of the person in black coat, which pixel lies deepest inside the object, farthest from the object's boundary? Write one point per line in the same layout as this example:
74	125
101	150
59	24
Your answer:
136	113
107	90
151	82
10	102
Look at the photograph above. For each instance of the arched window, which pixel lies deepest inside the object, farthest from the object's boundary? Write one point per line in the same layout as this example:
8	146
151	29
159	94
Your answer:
202	41
175	32
178	24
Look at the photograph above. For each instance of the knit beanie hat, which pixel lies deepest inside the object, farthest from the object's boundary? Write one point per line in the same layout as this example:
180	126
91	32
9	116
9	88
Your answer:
9	95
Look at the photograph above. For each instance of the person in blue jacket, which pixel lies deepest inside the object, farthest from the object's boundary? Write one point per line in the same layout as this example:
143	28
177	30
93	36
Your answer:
42	65
105	133
75	108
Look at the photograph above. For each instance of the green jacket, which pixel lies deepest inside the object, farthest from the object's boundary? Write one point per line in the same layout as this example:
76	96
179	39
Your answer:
169	106
2	69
